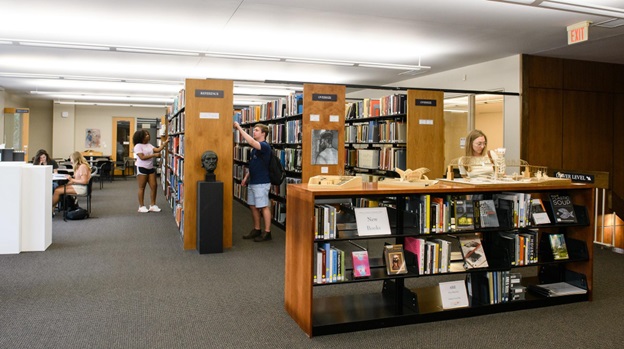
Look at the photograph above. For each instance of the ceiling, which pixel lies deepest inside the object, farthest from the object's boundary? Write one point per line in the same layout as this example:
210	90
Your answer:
256	40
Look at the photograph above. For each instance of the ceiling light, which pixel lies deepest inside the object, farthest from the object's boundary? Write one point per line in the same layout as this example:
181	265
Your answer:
315	61
157	51
64	45
112	104
237	56
584	7
6	42
392	66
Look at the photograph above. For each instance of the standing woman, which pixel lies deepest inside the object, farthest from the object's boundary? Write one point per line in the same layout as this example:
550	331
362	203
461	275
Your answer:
76	185
146	173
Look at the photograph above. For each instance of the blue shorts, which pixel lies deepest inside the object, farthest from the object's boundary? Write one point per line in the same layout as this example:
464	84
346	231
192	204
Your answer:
258	195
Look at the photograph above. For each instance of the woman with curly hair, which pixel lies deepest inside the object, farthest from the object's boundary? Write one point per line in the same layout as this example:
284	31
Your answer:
76	185
146	173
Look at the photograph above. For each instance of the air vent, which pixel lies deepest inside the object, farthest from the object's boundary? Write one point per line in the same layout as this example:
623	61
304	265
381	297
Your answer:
610	23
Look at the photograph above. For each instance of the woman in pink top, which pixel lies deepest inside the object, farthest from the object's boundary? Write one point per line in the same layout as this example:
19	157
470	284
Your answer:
146	173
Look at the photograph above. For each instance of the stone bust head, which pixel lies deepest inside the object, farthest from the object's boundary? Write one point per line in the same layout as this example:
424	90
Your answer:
209	161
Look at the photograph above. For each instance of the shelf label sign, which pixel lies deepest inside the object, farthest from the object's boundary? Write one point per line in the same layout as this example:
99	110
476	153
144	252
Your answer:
321	97
372	221
578	32
576	177
21	111
426	102
209	93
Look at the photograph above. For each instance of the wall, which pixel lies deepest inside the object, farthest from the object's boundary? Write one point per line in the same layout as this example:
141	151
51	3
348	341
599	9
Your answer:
497	75
80	118
40	136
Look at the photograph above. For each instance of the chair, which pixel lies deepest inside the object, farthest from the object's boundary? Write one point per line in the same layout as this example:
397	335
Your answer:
71	197
121	166
105	169
129	165
95	174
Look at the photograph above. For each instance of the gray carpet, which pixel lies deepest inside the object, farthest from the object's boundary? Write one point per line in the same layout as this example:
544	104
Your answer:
122	280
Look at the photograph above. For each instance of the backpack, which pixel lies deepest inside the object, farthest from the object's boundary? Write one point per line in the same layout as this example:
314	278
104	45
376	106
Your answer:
77	214
276	171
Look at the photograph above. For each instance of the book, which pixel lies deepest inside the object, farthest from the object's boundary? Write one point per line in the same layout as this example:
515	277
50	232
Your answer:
558	246
361	266
562	207
464	213
472	250
395	259
557	289
485	214
538	212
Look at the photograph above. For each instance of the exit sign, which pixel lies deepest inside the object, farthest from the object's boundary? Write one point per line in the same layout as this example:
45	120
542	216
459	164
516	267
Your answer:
578	32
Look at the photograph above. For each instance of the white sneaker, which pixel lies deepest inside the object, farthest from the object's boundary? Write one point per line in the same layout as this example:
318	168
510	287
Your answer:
143	209
154	208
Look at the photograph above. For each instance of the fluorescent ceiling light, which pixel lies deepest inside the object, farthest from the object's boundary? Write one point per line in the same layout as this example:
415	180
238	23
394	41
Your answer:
239	56
585	7
63	45
314	61
105	97
157	51
392	66
6	42
112	104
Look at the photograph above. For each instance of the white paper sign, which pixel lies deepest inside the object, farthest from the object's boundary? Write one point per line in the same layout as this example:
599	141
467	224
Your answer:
324	169
208	115
372	221
453	294
315	117
334	118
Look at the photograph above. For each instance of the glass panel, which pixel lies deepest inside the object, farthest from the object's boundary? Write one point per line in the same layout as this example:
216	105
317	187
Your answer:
122	147
489	118
456	114
13	131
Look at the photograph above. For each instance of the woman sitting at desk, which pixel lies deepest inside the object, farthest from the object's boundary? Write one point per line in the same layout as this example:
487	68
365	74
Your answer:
476	163
78	184
43	158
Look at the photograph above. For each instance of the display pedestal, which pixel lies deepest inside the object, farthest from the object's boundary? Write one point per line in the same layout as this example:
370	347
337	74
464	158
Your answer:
209	217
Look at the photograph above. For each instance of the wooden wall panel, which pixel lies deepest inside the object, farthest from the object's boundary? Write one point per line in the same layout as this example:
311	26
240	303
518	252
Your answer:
203	134
324	109
587	131
617	179
542	133
544	72
425	141
588	76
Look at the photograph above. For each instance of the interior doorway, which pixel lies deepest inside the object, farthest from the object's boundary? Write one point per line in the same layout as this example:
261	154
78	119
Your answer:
123	129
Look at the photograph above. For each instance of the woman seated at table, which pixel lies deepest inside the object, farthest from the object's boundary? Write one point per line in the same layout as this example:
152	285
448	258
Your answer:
476	163
76	185
43	158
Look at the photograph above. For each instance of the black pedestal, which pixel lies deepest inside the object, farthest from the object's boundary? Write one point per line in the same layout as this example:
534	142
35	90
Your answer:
6	154
209	217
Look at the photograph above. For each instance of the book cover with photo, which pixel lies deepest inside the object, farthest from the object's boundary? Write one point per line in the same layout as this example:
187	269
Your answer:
558	246
395	259
472	250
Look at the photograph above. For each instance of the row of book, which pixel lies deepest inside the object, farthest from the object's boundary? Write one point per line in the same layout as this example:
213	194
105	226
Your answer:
275	109
329	264
372	107
384	158
385	131
494	287
178	104
176	145
176	124
433	256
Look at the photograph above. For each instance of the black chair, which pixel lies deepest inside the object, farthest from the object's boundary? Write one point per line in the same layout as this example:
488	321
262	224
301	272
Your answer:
105	169
121	166
67	198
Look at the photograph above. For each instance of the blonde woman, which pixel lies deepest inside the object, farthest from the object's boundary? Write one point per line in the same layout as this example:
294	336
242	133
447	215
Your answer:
76	185
476	163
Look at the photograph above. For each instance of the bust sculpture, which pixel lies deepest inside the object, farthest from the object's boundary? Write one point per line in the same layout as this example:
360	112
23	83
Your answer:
209	161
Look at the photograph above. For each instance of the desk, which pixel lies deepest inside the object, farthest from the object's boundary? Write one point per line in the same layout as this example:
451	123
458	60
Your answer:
26	207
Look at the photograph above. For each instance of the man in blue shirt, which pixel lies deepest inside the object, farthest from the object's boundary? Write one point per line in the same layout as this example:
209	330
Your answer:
258	182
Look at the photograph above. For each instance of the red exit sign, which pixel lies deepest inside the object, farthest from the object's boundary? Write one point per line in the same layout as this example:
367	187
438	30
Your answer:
578	32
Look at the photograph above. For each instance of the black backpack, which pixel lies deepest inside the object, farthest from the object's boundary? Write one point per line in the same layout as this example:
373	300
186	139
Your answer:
276	171
77	214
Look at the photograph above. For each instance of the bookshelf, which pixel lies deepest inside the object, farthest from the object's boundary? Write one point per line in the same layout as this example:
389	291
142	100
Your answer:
199	120
410	298
293	122
408	126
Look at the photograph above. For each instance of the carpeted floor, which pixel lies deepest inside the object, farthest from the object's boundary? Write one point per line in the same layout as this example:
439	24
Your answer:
122	280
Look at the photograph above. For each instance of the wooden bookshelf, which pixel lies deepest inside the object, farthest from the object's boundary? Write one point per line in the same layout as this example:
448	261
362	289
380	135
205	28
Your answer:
396	304
207	126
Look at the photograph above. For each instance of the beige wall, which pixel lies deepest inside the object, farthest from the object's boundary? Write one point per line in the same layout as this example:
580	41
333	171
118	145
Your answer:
40	135
80	118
